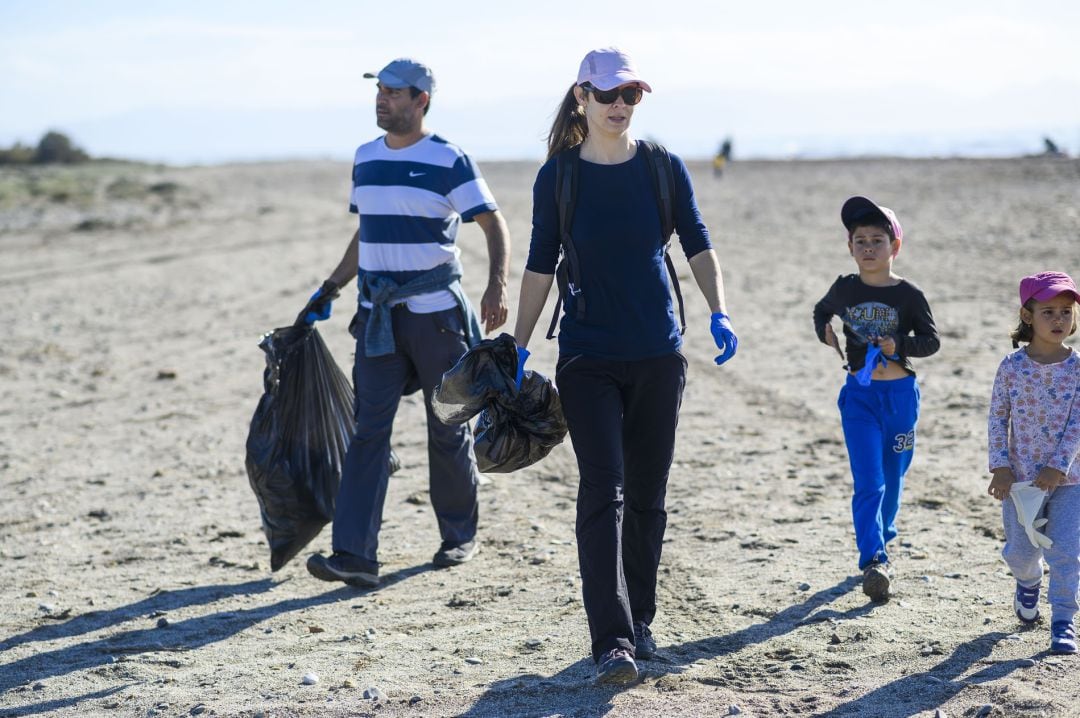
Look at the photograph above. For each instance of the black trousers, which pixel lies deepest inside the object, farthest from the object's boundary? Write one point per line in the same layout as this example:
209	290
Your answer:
622	417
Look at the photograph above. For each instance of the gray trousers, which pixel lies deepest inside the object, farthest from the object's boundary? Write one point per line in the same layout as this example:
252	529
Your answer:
1062	511
426	346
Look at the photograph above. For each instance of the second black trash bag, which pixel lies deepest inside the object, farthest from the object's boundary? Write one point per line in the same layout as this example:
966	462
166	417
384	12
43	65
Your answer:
516	427
298	438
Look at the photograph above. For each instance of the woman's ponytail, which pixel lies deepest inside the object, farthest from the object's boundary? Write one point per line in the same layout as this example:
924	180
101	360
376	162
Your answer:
569	128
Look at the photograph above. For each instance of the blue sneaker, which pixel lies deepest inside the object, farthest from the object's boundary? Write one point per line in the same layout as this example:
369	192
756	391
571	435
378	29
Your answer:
1062	637
1026	603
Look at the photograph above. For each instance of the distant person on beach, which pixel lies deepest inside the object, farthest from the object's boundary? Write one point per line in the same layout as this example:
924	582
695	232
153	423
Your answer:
1051	149
412	190
600	200
722	157
1034	442
887	321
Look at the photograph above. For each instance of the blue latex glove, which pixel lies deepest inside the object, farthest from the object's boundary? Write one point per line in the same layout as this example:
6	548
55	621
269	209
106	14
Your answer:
523	356
874	357
724	336
319	306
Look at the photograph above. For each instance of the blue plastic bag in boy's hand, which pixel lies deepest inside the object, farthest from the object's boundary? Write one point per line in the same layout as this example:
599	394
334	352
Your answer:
523	356
873	358
724	336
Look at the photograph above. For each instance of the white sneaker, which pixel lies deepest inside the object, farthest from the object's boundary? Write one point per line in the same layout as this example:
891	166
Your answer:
1026	603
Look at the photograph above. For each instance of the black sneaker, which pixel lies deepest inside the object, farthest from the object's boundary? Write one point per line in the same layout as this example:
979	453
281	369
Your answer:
616	666
644	643
876	582
353	570
455	554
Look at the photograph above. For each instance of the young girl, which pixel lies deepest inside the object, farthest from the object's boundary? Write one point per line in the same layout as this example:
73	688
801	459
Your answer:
1034	433
620	374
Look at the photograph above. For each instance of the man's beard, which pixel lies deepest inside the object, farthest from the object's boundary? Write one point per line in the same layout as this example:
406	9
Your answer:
395	124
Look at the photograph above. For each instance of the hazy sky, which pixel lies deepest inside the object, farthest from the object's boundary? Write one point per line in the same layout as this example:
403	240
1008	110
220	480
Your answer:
210	81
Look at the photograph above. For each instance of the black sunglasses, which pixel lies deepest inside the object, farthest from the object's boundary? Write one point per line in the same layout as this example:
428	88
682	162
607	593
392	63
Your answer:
631	94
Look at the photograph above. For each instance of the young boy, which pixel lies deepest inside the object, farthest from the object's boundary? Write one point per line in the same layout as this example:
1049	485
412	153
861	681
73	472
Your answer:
887	321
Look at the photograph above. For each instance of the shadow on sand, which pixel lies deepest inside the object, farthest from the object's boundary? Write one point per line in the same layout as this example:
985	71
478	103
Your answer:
177	637
574	692
928	689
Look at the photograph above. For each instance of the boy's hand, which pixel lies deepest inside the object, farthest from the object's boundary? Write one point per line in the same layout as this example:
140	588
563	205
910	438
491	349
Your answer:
1001	483
1049	479
887	345
831	340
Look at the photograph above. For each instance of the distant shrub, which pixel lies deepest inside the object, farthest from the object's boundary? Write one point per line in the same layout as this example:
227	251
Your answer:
53	148
17	154
56	147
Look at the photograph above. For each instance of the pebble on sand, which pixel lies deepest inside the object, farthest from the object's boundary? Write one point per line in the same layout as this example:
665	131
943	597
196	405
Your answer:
474	661
310	679
372	693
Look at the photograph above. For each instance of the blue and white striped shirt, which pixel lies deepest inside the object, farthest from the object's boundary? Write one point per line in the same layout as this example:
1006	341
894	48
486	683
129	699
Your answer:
411	202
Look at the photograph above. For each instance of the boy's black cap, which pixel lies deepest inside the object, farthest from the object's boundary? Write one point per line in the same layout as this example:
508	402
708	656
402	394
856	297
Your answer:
859	209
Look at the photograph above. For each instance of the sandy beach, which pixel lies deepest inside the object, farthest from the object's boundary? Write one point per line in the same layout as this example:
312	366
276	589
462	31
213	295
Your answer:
134	573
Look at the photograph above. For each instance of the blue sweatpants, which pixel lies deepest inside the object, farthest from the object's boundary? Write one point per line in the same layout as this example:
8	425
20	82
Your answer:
879	430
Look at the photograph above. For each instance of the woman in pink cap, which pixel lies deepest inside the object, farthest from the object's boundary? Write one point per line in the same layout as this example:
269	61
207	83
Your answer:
1034	446
608	204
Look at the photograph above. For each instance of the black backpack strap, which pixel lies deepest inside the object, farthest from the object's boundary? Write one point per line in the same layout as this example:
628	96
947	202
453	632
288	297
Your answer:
568	271
663	177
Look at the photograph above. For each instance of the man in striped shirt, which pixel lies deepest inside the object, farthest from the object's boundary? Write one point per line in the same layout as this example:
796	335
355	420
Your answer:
412	190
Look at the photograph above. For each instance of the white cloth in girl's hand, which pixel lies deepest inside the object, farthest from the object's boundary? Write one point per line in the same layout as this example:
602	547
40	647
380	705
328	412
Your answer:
1029	500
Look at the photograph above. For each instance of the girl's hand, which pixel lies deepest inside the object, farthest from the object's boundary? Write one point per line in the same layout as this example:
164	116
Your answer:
1001	483
1049	479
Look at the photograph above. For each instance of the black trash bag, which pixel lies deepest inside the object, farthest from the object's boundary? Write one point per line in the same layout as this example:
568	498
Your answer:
516	427
298	438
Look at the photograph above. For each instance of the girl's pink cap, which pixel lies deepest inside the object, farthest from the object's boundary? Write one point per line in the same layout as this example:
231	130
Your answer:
1046	285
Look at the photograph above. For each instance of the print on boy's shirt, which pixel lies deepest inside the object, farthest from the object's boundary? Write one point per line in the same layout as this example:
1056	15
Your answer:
871	319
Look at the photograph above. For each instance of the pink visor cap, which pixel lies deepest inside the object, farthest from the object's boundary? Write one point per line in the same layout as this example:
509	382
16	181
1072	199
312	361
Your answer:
861	209
607	68
1044	286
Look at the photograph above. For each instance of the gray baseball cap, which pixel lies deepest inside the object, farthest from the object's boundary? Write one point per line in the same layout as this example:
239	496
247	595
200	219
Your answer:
405	72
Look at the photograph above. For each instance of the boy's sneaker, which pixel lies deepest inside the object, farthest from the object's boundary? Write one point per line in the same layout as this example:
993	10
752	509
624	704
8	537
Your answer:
1026	603
1062	637
644	643
616	666
353	570
455	554
876	582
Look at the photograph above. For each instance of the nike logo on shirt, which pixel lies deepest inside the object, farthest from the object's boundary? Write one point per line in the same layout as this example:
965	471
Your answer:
416	174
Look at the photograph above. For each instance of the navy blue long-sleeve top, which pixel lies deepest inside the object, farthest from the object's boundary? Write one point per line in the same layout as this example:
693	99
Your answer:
616	231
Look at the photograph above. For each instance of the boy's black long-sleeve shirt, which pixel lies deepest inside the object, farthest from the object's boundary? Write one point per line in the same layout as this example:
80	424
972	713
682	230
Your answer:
900	311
